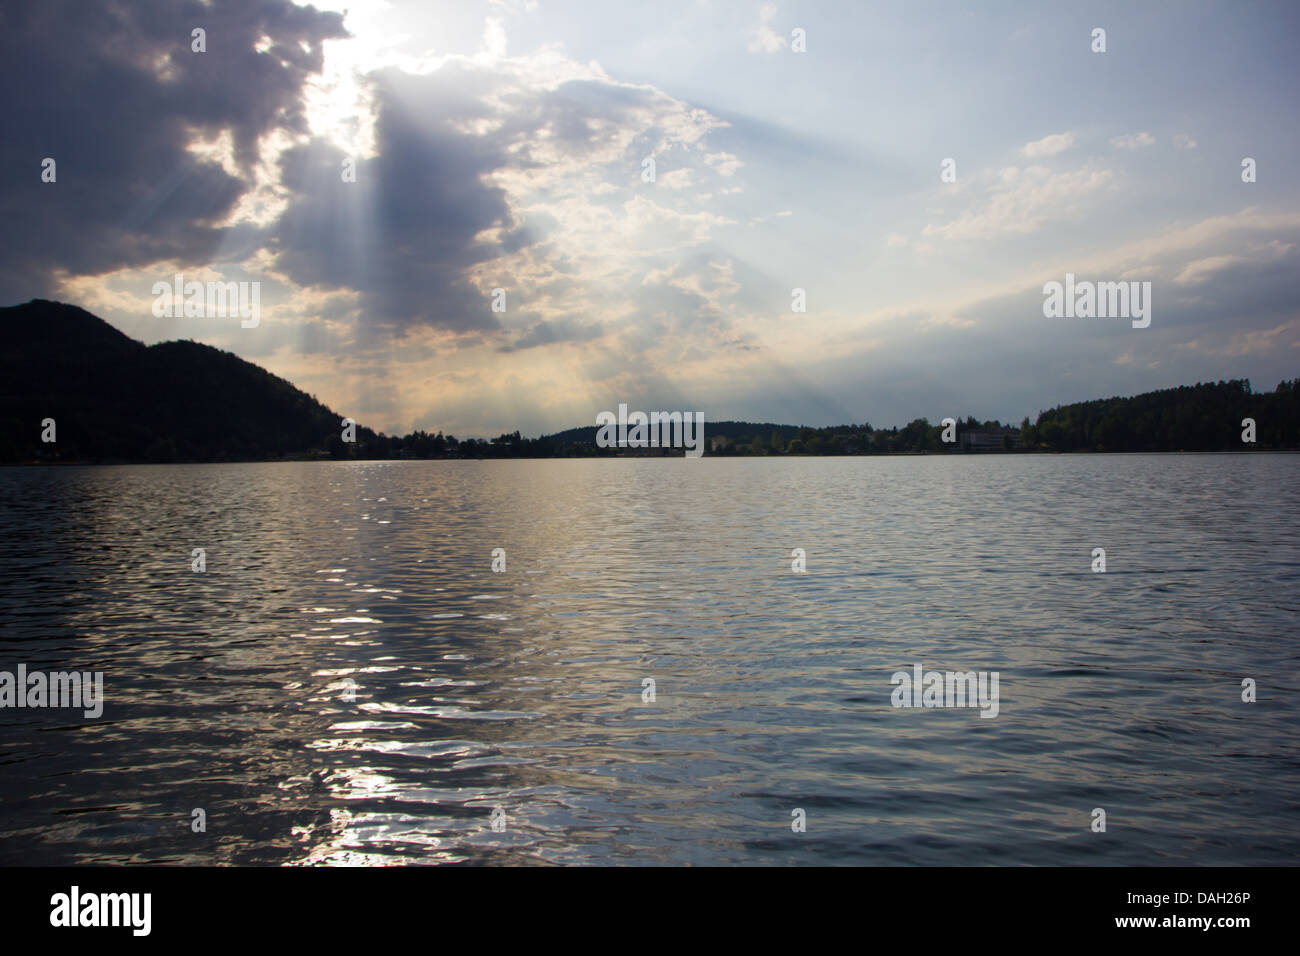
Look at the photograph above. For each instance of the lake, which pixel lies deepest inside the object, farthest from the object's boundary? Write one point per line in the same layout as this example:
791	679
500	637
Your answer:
349	681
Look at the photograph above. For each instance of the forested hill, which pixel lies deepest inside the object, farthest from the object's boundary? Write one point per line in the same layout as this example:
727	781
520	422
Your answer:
1203	417
115	399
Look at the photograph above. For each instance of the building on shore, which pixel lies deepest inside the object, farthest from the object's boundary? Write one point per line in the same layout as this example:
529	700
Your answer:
990	439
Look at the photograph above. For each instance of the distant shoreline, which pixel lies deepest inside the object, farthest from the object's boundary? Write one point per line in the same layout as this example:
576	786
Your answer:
1038	453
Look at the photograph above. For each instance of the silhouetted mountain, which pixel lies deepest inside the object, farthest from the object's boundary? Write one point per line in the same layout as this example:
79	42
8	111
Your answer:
115	399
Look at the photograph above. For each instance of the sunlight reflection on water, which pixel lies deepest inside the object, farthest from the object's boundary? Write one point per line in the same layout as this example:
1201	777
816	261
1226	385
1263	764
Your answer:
349	682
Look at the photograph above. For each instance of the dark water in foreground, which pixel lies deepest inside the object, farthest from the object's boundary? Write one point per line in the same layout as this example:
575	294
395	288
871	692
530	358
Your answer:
227	690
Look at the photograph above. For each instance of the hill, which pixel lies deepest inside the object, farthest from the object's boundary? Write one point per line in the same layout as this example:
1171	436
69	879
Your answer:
116	399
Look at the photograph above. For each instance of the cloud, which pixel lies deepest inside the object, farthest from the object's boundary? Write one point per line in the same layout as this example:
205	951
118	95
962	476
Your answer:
896	240
1199	271
1237	344
764	39
1049	145
551	333
725	163
115	95
1183	141
1133	141
677	179
522	174
1022	201
494	37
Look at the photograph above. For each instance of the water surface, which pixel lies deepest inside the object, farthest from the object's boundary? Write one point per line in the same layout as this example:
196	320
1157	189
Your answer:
232	690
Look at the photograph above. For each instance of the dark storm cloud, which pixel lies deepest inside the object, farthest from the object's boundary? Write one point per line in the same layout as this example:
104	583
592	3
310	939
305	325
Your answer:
551	333
113	92
406	231
409	230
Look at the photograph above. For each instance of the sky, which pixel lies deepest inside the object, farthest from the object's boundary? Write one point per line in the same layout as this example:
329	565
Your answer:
503	145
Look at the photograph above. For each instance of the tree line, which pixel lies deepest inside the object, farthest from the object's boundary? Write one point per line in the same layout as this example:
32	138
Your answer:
1202	417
